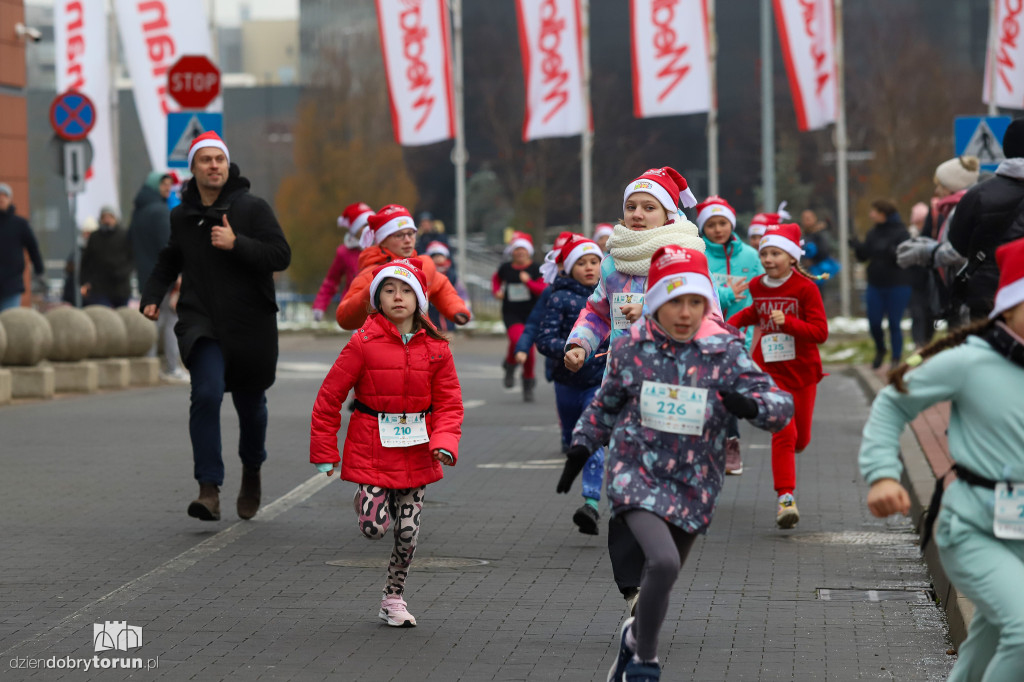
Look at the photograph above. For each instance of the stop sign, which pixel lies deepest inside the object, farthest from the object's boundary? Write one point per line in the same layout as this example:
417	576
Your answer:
193	81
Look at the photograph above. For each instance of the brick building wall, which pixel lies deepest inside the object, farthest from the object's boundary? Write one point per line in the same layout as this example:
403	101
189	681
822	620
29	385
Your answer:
13	112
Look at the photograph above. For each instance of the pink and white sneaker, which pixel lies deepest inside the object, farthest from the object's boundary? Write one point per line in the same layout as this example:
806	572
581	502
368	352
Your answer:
394	611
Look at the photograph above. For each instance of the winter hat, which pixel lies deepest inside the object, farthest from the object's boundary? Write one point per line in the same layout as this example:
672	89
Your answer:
207	139
549	268
1013	139
603	230
958	173
1010	259
154	178
676	270
6	189
107	208
385	223
712	206
519	239
575	249
760	222
786	237
665	185
409	270
438	249
354	217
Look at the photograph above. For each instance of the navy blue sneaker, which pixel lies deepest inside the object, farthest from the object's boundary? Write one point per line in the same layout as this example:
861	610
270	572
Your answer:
641	672
625	654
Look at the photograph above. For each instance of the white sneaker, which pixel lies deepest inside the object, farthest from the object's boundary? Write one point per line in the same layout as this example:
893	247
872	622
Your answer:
395	612
178	376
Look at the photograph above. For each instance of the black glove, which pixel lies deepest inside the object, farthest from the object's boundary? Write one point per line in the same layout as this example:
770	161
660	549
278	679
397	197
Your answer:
575	459
739	404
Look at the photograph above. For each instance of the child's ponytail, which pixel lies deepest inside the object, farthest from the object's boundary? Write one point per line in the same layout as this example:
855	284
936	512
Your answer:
803	271
953	339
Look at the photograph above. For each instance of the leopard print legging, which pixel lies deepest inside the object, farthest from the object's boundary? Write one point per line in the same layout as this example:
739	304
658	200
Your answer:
375	509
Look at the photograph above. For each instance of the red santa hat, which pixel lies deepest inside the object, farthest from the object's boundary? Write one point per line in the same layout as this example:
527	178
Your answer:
354	217
760	222
1010	259
712	206
438	249
675	271
410	271
385	223
207	139
786	237
519	240
603	230
665	185
575	249
549	268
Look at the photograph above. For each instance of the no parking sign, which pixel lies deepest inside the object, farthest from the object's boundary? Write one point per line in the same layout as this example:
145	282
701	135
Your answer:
72	116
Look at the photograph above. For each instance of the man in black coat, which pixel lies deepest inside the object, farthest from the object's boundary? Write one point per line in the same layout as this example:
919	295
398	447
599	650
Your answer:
226	244
986	218
15	239
107	265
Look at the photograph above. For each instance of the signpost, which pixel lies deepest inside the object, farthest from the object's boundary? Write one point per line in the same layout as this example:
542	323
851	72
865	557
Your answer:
980	136
193	82
185	126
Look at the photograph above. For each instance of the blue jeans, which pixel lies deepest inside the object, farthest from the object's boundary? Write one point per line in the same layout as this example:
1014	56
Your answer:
887	302
206	364
10	301
571	402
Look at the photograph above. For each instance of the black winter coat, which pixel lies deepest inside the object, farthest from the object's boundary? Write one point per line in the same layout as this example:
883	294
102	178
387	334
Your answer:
225	295
149	231
107	264
879	249
985	219
15	238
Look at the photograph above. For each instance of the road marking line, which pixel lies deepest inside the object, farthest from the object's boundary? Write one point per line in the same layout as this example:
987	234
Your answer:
529	464
470	404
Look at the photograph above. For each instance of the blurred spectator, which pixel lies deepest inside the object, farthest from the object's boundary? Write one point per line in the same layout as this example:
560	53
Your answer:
88	226
107	263
16	238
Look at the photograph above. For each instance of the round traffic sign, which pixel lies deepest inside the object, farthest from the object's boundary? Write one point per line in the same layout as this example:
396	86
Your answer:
72	115
193	81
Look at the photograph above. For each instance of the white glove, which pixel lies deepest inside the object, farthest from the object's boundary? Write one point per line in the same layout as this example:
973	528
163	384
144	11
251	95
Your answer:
916	251
318	314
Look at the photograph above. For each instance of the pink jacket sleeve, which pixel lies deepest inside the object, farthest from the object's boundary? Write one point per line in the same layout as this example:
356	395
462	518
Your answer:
593	325
331	282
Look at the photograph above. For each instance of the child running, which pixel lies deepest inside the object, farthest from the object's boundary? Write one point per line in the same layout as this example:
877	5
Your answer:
579	263
346	260
518	284
733	264
673	380
407	419
791	322
980	532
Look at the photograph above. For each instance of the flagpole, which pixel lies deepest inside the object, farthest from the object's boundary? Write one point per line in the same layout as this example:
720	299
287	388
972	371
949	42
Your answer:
586	135
842	181
459	155
993	42
713	108
767	111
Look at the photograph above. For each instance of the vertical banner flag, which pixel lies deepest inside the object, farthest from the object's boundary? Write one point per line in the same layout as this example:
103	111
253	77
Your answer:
154	34
80	43
670	57
808	36
1009	57
552	49
414	41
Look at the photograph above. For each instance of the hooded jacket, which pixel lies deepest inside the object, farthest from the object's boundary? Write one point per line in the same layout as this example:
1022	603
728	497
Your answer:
149	230
732	259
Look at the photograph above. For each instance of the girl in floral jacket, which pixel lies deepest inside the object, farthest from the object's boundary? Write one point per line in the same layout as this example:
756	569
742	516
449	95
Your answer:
662	411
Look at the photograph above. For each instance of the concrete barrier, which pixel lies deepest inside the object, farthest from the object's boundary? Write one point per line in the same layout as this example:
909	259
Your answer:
75	377
28	337
111	333
141	331
3	342
144	371
32	382
5	385
74	335
114	372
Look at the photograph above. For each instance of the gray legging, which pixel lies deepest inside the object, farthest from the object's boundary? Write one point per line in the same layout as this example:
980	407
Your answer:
665	547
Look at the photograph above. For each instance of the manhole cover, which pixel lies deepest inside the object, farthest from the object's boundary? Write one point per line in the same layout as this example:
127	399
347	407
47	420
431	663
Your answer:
856	538
418	562
853	594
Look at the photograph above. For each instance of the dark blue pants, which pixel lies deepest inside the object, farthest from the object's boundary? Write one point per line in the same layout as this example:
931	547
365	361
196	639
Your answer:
571	402
206	365
887	302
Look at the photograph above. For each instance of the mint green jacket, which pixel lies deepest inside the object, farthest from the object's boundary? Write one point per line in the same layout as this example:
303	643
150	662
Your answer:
735	259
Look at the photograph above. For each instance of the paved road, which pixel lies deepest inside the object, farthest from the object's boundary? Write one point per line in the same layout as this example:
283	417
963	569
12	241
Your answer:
94	494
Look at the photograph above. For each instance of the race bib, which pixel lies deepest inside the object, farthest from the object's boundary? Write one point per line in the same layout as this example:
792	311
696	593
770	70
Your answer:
402	430
517	292
673	409
620	321
778	347
1008	523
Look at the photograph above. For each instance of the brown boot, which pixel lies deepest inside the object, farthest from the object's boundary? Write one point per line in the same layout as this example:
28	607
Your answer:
249	495
207	506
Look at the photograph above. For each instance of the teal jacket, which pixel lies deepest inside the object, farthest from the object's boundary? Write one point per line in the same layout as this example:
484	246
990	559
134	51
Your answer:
735	259
986	424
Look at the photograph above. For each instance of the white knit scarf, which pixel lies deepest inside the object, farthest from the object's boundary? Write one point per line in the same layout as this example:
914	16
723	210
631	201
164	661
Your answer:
632	249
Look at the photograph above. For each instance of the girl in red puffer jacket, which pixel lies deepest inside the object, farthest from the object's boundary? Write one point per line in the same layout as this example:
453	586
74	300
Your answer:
407	419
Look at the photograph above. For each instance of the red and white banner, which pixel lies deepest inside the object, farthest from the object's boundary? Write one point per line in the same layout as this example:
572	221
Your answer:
154	34
414	40
1009	54
82	64
808	36
551	44
670	57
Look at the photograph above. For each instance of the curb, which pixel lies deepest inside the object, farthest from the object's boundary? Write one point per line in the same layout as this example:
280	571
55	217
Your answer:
919	480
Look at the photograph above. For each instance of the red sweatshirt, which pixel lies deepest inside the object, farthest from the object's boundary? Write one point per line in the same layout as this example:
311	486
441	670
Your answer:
799	299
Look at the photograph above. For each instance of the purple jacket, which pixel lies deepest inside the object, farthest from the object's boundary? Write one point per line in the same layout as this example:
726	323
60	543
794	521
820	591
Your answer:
678	477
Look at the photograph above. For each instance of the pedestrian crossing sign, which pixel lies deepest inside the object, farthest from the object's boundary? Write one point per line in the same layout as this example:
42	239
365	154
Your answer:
980	136
185	126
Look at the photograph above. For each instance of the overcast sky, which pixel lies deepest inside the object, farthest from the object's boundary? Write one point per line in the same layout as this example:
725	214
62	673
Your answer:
229	12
